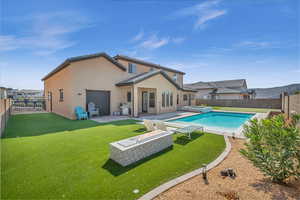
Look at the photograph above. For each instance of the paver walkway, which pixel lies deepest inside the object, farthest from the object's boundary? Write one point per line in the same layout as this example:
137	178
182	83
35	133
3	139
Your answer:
249	184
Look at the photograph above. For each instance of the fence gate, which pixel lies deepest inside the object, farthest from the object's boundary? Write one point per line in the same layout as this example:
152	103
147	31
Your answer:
28	105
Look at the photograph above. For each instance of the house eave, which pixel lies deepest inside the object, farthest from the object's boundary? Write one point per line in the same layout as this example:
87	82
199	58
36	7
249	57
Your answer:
80	58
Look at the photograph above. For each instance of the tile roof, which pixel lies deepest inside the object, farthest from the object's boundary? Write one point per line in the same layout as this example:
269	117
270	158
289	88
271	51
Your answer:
217	84
231	91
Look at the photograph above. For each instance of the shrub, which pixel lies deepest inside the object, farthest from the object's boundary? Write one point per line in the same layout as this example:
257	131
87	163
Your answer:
274	147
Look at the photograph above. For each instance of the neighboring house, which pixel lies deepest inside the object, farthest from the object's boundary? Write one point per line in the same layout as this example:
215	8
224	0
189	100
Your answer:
227	89
24	93
110	82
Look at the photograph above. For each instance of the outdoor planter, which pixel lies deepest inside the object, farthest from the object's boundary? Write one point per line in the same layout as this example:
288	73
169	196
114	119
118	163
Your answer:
131	150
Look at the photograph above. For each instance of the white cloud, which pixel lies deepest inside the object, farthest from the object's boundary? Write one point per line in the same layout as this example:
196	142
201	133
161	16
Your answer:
254	44
297	71
153	42
204	12
208	16
8	43
138	36
178	40
46	33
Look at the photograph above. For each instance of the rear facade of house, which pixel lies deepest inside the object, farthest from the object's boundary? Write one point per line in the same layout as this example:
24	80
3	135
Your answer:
110	82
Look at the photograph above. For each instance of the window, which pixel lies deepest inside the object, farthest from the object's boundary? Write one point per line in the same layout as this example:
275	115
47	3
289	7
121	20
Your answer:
131	68
177	100
128	96
192	97
168	100
185	97
163	99
151	100
171	99
175	77
61	95
49	96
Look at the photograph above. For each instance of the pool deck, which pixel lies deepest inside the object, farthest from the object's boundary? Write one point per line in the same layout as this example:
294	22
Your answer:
238	133
163	116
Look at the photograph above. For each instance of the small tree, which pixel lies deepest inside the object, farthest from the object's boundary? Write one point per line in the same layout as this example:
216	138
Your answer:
274	147
297	92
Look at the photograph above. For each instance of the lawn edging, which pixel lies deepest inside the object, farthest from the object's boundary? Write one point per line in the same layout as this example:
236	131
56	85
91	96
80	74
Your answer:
164	187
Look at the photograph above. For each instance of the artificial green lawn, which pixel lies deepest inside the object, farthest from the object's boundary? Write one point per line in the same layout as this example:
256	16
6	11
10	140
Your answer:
73	161
256	110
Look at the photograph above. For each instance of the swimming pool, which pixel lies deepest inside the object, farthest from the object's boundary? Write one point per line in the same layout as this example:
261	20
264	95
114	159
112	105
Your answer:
225	120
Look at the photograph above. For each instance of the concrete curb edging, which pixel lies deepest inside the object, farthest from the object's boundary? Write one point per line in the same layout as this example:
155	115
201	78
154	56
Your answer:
162	188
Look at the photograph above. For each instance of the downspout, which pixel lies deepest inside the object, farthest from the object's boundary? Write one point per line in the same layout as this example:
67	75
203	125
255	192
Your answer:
288	106
132	101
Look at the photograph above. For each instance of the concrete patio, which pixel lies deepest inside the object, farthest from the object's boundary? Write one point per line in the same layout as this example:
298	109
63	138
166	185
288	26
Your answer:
164	116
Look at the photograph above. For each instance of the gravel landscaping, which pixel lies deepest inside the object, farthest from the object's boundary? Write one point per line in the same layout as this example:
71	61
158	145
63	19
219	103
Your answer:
249	183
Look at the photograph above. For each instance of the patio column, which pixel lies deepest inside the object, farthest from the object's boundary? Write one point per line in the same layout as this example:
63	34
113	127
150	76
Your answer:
135	101
157	102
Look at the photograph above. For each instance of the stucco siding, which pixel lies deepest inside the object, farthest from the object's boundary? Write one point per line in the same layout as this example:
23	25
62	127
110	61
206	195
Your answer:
101	74
183	102
96	74
162	85
144	68
61	80
203	93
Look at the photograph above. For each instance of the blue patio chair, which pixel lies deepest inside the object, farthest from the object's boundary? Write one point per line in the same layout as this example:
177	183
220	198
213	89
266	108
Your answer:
80	113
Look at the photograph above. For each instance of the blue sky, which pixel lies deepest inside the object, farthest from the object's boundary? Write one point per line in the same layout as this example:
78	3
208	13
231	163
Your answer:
209	40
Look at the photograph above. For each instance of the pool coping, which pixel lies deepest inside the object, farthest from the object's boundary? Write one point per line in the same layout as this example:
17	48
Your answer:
166	186
238	133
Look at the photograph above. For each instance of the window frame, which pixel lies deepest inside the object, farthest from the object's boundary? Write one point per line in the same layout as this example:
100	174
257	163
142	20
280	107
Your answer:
185	97
129	97
151	100
167	99
132	68
175	77
163	102
61	95
49	96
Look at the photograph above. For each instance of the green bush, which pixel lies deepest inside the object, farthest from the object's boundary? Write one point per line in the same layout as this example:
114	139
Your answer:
273	146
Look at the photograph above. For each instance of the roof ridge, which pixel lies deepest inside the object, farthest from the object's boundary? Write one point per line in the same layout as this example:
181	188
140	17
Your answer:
147	75
146	63
83	57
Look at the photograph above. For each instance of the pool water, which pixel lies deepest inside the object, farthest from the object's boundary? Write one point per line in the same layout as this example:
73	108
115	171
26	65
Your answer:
217	119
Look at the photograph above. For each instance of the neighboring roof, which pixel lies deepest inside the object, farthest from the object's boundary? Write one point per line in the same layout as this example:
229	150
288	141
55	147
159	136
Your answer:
217	84
84	57
146	63
231	91
227	91
143	76
30	91
188	89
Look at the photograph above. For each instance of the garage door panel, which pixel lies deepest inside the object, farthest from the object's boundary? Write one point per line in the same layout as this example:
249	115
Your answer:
101	99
